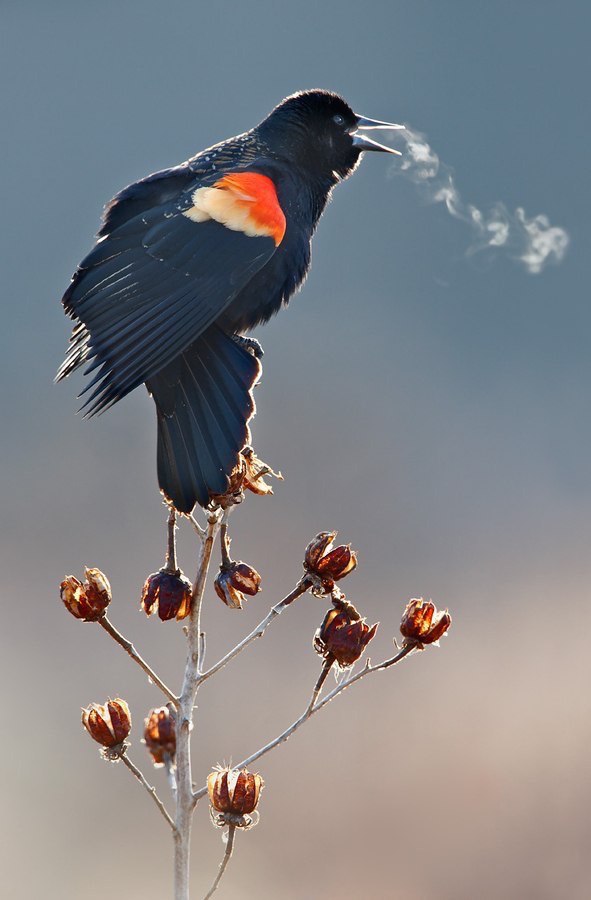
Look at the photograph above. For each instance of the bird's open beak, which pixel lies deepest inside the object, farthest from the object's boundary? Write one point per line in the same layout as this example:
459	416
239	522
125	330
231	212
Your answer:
366	143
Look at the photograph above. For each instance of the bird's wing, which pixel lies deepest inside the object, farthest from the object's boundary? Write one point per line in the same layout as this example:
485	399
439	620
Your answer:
163	272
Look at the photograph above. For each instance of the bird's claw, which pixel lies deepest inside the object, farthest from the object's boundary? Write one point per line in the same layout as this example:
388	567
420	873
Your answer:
250	344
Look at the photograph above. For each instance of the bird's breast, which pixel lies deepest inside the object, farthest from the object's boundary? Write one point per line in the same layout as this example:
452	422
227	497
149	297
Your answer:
272	286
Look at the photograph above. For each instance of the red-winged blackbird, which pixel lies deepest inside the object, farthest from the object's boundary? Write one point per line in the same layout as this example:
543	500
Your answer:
190	258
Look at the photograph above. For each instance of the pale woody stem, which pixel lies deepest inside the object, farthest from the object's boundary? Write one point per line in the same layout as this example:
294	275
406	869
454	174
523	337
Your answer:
185	801
328	664
258	632
170	768
313	707
130	649
151	790
224	862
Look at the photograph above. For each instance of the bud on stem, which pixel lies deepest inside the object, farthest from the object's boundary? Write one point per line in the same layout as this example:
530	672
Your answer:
89	600
235	582
108	725
326	565
422	623
168	594
160	734
233	795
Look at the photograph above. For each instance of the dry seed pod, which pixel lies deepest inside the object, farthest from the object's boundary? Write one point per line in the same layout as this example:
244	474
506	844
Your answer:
327	565
160	734
343	637
168	594
89	600
233	795
422	623
108	725
235	581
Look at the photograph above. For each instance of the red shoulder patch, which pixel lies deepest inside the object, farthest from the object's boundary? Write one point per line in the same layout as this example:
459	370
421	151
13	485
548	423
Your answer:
259	194
242	201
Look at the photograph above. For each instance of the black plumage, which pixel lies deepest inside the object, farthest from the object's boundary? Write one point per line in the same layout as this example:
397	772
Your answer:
178	271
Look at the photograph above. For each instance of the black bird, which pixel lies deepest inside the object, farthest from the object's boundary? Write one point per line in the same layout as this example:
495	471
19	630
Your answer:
189	259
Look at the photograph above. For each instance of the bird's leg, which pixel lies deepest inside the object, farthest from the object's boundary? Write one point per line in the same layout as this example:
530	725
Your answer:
250	344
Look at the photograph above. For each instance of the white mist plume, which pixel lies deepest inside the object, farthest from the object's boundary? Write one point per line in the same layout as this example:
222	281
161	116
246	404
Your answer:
534	242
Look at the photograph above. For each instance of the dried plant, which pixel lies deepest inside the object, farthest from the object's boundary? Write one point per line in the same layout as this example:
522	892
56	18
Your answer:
341	640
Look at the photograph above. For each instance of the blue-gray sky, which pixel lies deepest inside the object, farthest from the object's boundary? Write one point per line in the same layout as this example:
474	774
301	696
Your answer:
431	405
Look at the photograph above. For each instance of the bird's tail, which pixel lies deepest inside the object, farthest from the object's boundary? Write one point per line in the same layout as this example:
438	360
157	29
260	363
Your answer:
204	403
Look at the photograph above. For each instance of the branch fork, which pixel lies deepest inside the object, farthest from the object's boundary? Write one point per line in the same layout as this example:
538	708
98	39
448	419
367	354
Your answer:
340	640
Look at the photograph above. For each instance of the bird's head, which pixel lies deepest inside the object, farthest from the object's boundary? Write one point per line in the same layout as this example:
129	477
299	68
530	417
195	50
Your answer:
318	131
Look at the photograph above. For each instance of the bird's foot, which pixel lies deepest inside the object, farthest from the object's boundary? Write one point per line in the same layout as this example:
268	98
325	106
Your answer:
249	344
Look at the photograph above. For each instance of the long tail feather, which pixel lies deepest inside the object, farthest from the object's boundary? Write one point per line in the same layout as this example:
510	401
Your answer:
204	403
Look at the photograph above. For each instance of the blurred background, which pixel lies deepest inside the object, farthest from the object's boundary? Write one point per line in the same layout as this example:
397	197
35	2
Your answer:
432	406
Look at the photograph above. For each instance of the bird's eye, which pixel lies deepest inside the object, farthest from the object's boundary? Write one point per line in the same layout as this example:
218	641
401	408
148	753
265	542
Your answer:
338	119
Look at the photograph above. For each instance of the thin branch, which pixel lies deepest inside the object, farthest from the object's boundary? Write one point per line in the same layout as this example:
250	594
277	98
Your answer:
224	862
225	540
171	562
198	528
130	649
170	767
151	790
191	679
328	664
202	648
185	800
259	631
368	669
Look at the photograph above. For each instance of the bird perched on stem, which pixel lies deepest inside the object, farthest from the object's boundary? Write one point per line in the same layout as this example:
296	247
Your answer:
189	259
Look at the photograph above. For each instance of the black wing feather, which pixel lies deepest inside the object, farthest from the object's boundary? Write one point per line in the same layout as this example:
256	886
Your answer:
154	190
151	286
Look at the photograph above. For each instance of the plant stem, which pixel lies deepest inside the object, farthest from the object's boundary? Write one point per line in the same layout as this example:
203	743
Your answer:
202	649
224	862
185	800
151	790
259	631
200	531
328	663
171	562
130	649
225	541
314	707
170	767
